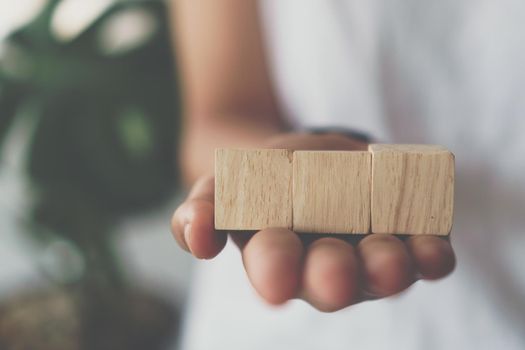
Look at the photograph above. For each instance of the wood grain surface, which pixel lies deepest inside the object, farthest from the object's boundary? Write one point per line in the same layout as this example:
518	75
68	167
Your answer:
253	189
412	189
331	191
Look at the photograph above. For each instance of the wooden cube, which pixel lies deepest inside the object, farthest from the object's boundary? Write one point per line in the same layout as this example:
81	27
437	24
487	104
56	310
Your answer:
253	189
331	191
412	189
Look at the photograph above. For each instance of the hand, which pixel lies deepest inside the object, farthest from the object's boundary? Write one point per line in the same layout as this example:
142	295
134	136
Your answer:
330	273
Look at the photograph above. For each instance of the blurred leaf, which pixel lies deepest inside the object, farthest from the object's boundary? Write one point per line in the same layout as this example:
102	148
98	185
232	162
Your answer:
63	211
135	131
79	142
105	140
10	98
37	34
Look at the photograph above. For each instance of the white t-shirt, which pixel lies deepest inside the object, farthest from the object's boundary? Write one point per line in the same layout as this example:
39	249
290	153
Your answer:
450	72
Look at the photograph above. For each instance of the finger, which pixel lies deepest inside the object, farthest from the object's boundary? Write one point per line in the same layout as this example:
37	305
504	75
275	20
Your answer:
433	256
193	222
202	190
386	265
330	280
273	262
303	141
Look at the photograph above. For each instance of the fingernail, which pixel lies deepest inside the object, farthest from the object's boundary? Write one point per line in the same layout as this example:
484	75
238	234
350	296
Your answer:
187	231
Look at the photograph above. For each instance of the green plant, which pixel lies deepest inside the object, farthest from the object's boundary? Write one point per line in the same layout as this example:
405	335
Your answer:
104	140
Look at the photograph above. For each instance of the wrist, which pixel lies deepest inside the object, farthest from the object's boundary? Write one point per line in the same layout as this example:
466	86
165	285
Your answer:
354	134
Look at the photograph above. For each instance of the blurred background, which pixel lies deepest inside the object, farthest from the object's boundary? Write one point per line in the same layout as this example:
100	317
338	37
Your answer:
88	135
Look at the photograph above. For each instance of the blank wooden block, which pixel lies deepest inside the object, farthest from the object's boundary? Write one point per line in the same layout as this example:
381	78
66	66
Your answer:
253	189
412	189
331	191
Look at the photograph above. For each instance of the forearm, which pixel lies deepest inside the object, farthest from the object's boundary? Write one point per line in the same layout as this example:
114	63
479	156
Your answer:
227	92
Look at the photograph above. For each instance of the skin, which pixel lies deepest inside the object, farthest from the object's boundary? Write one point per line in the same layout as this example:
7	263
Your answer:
230	102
